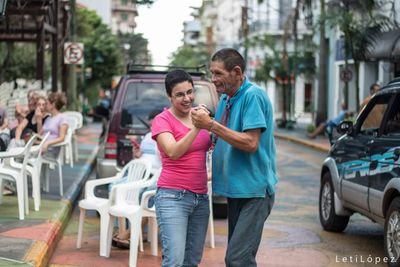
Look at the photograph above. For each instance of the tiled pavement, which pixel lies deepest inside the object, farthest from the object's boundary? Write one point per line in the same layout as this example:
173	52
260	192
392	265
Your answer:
30	242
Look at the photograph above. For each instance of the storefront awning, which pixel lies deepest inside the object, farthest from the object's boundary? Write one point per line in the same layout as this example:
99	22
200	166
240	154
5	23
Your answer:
385	46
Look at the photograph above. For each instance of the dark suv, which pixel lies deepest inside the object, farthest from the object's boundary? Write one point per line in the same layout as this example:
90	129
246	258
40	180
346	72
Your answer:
139	92
362	171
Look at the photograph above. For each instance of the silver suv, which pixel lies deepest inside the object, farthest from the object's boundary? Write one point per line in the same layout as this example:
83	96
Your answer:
362	171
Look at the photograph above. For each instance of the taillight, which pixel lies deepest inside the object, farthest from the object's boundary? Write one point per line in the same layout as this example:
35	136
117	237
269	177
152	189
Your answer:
111	146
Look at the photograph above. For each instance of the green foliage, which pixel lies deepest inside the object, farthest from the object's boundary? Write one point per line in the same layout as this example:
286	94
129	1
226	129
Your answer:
310	128
272	67
187	56
18	60
102	53
138	52
360	21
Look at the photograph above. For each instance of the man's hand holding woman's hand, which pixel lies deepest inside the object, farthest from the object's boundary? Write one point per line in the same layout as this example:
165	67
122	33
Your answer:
201	117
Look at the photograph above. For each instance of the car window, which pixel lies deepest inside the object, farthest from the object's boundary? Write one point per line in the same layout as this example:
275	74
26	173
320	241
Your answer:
393	121
143	97
140	99
373	119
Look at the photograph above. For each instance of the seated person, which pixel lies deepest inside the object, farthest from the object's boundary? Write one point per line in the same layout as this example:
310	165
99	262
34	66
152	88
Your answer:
332	123
4	131
147	150
56	124
33	122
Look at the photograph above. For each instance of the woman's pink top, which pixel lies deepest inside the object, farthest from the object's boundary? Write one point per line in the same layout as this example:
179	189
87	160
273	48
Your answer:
189	171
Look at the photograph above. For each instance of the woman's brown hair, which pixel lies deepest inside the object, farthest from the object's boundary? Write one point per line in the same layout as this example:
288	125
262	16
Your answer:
58	99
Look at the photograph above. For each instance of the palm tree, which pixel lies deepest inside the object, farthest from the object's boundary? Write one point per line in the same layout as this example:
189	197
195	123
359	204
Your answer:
285	66
359	32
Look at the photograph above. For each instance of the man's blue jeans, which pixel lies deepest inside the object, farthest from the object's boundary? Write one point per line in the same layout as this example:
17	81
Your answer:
182	217
246	218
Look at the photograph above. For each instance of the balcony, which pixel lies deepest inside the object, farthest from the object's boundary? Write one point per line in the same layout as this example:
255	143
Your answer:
116	7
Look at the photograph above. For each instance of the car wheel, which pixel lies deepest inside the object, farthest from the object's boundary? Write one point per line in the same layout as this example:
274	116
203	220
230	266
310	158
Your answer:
327	216
392	233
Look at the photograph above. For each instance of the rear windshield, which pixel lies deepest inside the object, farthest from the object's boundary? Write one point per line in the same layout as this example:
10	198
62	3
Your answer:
142	98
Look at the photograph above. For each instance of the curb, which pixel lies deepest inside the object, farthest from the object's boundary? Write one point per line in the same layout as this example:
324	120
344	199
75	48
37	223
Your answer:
313	145
40	252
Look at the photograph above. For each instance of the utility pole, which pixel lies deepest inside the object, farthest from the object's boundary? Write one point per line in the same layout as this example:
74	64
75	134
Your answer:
71	90
321	108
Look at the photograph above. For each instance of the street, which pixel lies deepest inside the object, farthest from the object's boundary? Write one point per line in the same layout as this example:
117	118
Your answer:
292	236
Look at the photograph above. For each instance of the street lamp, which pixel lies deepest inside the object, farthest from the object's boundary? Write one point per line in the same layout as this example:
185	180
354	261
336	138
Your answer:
126	47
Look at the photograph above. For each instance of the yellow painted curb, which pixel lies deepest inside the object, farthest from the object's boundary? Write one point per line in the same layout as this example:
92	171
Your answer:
37	254
311	144
40	251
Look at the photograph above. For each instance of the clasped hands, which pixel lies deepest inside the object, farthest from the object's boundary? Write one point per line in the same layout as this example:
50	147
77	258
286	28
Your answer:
201	117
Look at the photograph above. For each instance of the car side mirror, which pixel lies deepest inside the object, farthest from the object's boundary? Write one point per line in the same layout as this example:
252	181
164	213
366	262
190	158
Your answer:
345	127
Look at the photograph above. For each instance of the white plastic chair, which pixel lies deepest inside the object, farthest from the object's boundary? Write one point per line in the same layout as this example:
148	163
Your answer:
150	213
70	155
57	162
77	115
18	175
33	168
79	118
125	204
136	170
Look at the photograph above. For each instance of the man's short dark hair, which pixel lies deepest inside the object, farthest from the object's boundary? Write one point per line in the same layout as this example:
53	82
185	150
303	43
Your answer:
230	57
174	77
372	87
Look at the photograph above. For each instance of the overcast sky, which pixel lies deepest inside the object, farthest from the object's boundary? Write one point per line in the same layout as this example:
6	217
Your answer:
162	25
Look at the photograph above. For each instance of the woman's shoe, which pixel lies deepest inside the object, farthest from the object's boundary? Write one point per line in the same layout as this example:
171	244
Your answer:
120	243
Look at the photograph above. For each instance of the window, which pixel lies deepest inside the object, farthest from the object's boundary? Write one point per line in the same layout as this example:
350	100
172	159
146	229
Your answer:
124	2
393	121
124	16
375	111
140	100
307	97
143	97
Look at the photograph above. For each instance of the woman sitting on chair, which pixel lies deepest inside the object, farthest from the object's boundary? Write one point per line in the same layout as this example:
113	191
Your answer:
33	122
56	124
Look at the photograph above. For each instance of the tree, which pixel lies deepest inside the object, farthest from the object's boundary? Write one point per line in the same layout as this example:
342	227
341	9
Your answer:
101	55
188	56
286	65
135	48
359	32
18	60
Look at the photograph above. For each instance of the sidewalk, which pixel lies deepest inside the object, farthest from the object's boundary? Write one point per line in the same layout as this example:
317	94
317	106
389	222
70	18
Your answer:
299	135
31	242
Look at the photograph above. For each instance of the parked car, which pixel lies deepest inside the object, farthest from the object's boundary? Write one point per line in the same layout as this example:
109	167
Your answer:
362	171
139	92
